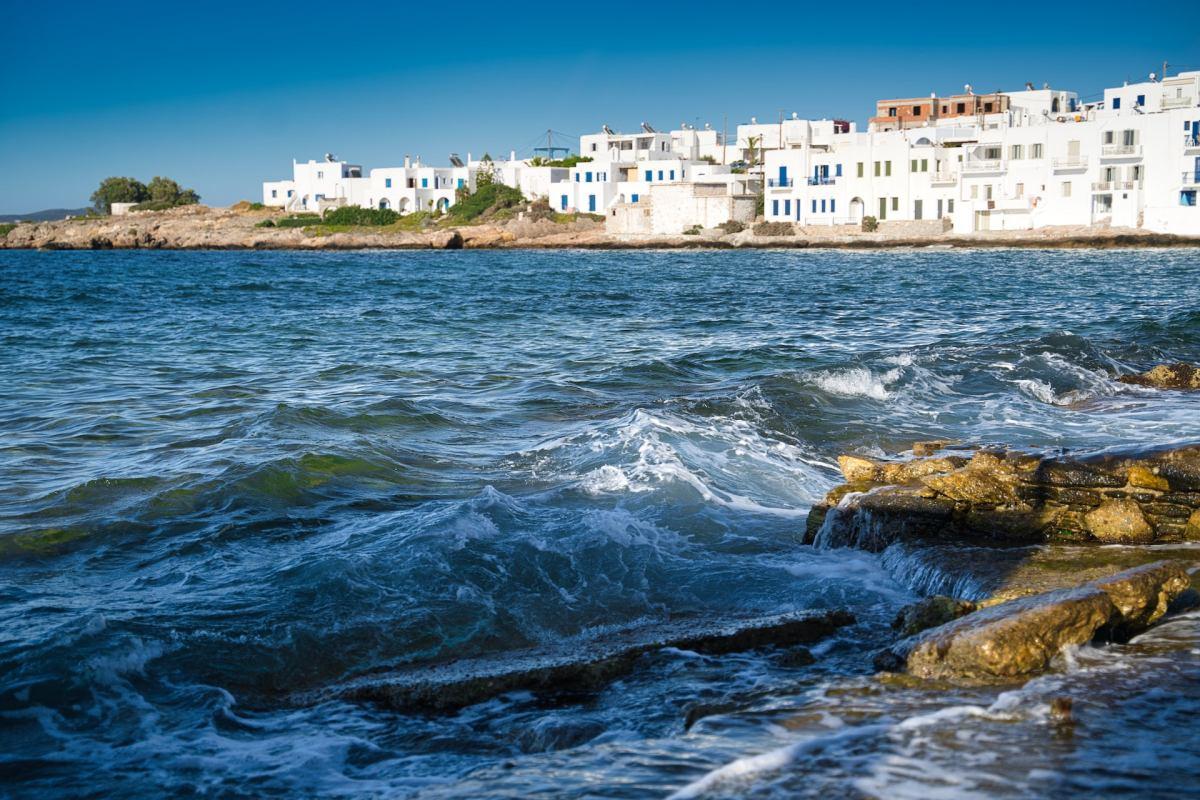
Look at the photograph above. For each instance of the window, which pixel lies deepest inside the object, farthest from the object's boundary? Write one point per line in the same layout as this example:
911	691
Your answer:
992	153
775	208
832	206
672	176
895	204
891	112
320	175
987	108
1116	103
822	206
987	192
1035	150
876	169
274	193
916	111
1016	152
887	168
961	108
587	178
918	208
460	183
883	208
1020	190
1187	197
924	165
593	147
424	183
787	208
974	192
1066	189
860	169
649	176
387	182
950	205
837	170
814	205
914	166
635	197
564	202
1141	100
660	175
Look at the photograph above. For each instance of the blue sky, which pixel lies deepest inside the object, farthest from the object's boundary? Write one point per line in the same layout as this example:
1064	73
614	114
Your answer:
222	95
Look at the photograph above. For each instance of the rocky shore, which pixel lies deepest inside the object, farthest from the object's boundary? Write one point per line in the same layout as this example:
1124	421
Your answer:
199	227
1024	554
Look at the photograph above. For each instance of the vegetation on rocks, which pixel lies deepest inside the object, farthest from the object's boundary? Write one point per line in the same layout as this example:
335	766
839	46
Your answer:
568	162
161	193
6	228
870	224
732	226
489	199
774	229
355	215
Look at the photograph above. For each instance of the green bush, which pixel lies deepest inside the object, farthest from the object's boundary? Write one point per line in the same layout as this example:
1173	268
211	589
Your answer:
266	223
353	215
484	201
692	231
870	224
294	221
6	228
774	229
732	226
154	205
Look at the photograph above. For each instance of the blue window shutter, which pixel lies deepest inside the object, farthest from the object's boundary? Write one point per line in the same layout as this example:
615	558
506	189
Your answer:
635	198
838	171
832	206
787	208
775	208
1116	103
814	205
660	175
672	174
649	176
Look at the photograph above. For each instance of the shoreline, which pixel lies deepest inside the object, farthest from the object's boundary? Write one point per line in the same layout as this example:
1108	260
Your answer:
200	228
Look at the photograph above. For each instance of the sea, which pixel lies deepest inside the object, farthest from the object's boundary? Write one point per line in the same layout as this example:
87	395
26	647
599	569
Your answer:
229	480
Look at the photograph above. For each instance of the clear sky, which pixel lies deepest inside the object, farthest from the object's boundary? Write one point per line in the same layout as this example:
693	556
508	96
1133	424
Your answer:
223	95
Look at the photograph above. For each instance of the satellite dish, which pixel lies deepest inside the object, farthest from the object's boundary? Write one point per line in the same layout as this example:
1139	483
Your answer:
1152	76
329	157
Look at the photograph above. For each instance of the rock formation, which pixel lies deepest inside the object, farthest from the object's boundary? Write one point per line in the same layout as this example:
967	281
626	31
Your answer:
1166	376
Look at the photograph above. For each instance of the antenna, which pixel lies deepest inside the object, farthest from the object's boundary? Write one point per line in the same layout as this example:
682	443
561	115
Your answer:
550	149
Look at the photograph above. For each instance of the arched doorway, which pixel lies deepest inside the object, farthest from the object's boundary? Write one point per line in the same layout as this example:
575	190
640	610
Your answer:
443	204
403	205
384	204
856	210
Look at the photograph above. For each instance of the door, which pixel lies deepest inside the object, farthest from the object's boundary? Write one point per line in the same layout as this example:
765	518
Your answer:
1195	133
918	209
1196	171
783	176
883	208
591	202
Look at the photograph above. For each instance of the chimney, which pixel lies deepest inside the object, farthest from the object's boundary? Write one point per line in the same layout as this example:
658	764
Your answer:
469	159
407	161
512	155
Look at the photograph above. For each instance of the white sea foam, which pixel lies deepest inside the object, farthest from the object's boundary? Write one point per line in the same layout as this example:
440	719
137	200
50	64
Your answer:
855	382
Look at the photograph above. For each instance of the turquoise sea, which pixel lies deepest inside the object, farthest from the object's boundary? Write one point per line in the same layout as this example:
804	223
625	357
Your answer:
229	478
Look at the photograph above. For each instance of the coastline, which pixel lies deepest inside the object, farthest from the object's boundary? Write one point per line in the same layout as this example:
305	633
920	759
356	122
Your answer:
201	228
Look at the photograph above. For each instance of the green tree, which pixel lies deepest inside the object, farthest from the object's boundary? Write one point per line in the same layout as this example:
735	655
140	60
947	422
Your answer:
118	190
166	192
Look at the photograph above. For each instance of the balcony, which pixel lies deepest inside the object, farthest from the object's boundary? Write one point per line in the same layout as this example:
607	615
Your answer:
1069	163
822	180
1121	151
777	183
1191	144
943	178
1191	178
1113	186
1178	102
983	165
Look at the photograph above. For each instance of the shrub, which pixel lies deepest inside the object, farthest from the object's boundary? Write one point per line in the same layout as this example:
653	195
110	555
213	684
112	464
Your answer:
870	224
353	215
732	226
266	223
6	228
692	231
774	229
294	221
246	205
153	205
484	201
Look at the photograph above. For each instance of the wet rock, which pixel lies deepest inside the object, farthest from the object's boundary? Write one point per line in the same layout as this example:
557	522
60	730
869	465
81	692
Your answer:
1147	478
578	668
1142	595
1062	710
929	613
798	656
1007	641
1166	376
856	469
1119	522
1020	637
930	447
1192	531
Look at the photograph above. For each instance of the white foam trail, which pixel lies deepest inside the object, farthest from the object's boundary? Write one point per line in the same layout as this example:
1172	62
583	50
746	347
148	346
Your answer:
855	382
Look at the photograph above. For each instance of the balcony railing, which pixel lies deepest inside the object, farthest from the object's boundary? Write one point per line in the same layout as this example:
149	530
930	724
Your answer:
943	177
1191	142
983	165
777	183
822	180
1110	186
1191	178
1178	102
1070	162
1118	150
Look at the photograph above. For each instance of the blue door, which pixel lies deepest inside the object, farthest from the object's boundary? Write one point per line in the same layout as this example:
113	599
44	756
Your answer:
1196	131
783	176
564	202
1197	175
591	202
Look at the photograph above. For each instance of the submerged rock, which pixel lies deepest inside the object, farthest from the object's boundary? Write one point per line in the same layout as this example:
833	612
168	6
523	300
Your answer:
1166	376
571	669
1014	497
1021	637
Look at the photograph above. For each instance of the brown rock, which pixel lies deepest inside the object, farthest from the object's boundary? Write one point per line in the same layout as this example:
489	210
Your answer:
1119	522
1009	640
1166	376
1146	478
1141	595
929	613
1192	531
974	484
907	471
856	469
931	447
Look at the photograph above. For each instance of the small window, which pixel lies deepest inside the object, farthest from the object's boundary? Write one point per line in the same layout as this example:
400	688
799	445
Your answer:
588	177
832	205
822	206
274	193
895	204
876	169
1017	152
672	175
1035	150
1187	197
387	182
1066	189
891	112
814	202
787	208
924	165
1116	103
914	166
916	111
950	205
837	170
660	174
1141	100
634	197
987	108
962	108
860	169
593	147
887	168
291	192
775	208
424	183
649	176
320	174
